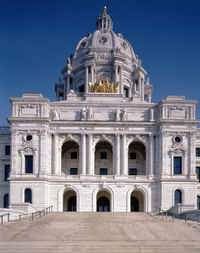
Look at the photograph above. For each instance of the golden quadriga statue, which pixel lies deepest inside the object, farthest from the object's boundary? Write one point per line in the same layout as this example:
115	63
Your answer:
103	86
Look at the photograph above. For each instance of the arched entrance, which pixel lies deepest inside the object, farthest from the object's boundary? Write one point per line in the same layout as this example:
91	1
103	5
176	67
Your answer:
70	158
136	159
137	201
69	201
103	201
103	158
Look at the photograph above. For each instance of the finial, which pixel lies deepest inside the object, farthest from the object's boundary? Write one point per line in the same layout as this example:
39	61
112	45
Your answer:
104	11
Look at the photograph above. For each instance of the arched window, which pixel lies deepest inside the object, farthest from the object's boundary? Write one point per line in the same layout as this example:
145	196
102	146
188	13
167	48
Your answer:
6	201
177	197
198	202
28	196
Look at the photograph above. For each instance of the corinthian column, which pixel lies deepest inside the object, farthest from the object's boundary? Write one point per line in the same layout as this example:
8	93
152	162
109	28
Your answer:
124	156
117	154
83	154
86	79
90	155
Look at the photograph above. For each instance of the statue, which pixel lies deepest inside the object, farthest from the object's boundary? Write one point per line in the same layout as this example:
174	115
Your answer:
103	86
84	114
124	115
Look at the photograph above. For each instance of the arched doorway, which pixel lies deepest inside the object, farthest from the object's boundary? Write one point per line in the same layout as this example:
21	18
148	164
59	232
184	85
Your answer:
69	201
103	158
70	158
136	159
103	201
137	201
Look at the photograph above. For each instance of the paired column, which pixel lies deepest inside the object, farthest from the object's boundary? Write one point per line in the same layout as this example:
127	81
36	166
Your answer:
56	155
86	79
124	156
90	155
150	159
83	154
117	154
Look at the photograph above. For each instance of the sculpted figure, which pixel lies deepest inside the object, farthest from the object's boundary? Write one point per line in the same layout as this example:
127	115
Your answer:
123	115
84	114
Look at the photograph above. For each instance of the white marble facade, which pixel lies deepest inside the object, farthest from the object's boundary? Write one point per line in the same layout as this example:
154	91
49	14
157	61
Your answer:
100	151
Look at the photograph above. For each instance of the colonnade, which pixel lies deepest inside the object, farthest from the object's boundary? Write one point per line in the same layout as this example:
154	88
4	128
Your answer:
120	148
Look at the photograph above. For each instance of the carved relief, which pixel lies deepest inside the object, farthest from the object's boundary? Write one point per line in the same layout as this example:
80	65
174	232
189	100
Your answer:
29	110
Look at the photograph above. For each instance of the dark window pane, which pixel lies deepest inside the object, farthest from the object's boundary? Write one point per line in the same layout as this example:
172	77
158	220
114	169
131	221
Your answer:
198	152
28	164
28	196
103	155
74	155
6	172
198	173
6	201
103	171
178	197
132	155
73	171
177	165
29	137
7	150
198	202
126	92
132	171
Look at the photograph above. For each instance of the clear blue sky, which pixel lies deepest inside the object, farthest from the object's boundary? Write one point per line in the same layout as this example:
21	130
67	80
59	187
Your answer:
37	36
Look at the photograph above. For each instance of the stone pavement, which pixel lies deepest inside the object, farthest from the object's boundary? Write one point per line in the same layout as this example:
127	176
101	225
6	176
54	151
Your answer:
99	232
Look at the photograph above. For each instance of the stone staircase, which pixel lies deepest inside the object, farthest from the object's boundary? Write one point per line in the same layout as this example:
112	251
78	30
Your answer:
99	232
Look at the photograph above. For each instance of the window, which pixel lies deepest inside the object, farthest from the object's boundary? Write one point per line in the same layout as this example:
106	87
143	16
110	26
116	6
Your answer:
6	201
74	155
81	88
177	165
29	137
197	152
136	85
132	155
198	173
177	197
126	92
28	196
132	171
198	202
103	155
103	171
6	172
28	164
7	150
73	171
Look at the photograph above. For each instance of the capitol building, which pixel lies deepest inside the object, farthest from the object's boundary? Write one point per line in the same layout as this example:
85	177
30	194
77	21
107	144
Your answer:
103	145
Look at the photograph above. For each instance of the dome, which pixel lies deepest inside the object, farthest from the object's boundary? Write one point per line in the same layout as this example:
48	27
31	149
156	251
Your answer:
103	62
104	39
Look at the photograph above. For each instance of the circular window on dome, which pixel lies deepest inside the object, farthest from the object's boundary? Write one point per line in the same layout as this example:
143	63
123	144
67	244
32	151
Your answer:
83	43
178	139
124	45
103	40
29	137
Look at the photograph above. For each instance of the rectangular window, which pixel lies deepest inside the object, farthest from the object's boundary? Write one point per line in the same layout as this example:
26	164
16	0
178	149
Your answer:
198	173
103	155
197	152
73	171
132	155
29	164
103	171
177	165
6	172
7	150
74	155
126	91
132	171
